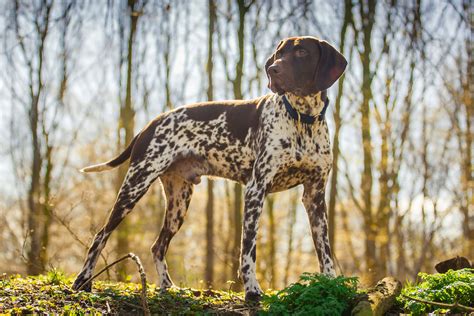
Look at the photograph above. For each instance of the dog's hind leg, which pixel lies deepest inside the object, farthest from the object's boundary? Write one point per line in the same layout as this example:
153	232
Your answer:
137	181
178	195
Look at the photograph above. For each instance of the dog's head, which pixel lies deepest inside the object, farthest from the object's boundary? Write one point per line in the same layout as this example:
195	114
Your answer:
304	65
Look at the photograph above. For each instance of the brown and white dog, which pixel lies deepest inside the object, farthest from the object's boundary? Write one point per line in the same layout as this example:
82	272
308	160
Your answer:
270	144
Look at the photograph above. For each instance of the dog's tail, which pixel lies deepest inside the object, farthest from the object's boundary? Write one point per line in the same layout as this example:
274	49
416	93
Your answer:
113	163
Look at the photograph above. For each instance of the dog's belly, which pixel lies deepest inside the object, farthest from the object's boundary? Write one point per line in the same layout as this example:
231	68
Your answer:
288	179
233	163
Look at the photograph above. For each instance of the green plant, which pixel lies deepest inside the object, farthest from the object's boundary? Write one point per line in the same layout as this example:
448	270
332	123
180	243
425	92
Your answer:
314	294
452	287
55	276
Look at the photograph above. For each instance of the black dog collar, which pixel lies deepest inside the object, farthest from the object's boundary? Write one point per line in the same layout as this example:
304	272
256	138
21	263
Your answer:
305	118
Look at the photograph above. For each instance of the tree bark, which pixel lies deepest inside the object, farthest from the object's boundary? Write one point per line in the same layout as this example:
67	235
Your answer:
237	86
209	269
237	221
47	207
127	125
467	181
35	215
367	14
229	251
337	123
291	223
272	241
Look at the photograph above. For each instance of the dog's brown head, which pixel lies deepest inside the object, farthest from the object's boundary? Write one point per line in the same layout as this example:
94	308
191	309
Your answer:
304	65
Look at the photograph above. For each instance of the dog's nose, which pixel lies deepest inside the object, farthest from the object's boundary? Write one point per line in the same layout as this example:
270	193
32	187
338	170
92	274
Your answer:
274	69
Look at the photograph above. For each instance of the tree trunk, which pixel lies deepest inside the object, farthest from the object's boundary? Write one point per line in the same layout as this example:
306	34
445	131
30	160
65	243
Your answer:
272	241
237	85
467	181
383	211
367	14
33	254
400	243
337	122
47	207
237	221
34	217
209	269
167	65
127	125
229	251
291	223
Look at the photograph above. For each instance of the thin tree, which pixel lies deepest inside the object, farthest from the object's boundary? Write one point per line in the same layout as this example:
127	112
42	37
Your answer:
34	61
126	124
209	266
243	9
367	15
293	205
462	120
347	21
272	258
49	129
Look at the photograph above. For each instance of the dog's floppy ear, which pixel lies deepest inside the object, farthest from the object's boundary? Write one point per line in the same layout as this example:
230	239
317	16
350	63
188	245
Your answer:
331	66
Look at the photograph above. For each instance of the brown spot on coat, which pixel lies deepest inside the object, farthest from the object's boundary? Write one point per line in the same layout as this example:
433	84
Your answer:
240	115
144	139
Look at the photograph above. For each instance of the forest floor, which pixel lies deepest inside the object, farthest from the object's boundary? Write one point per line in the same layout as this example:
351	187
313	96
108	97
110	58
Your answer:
48	294
314	294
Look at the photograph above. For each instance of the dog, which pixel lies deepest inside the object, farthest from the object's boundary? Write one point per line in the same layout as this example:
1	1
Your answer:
269	144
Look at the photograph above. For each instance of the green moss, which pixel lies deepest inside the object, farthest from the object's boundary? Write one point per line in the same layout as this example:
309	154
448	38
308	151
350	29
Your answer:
450	287
52	294
314	294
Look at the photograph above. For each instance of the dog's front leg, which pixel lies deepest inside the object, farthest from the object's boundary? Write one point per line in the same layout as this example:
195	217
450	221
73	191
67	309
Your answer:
315	204
254	197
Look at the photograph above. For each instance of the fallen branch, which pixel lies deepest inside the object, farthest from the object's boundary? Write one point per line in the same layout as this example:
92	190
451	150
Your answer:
141	270
134	257
454	305
378	299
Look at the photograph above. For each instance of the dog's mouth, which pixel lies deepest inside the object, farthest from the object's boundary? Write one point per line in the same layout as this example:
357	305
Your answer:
276	85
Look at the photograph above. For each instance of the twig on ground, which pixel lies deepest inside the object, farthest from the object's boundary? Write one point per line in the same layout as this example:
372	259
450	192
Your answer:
454	305
132	305
141	270
134	257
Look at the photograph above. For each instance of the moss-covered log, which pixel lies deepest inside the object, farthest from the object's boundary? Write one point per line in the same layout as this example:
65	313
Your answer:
378	299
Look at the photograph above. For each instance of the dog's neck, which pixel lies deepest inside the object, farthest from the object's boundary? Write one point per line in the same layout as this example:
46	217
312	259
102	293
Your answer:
311	104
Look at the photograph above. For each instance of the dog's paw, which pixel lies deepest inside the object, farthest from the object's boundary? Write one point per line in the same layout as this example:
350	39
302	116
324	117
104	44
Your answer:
253	297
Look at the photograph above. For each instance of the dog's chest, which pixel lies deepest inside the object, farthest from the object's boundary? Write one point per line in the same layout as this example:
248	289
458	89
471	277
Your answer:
301	151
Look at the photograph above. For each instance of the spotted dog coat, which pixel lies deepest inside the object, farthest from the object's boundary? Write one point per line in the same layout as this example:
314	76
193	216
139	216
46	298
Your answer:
254	142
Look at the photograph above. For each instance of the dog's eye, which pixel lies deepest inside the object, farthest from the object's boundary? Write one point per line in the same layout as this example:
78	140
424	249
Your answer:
301	52
277	55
